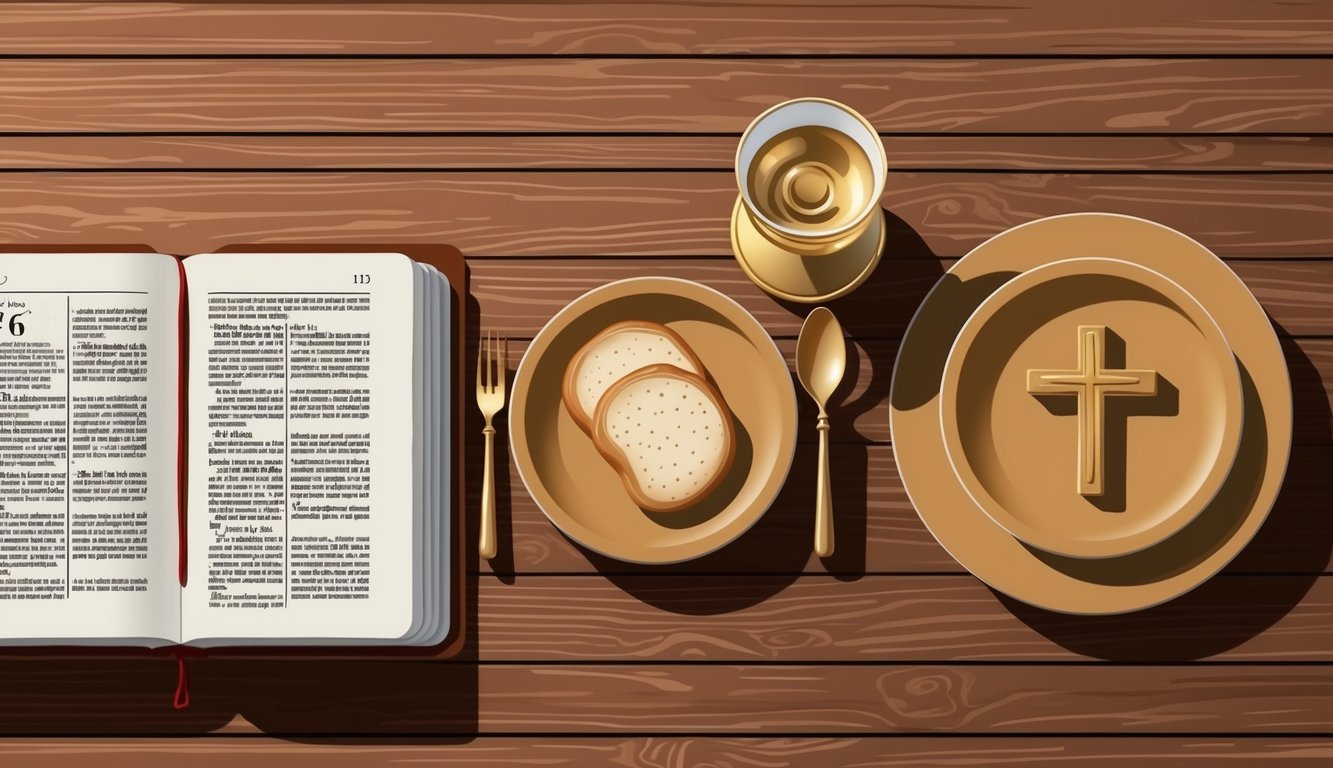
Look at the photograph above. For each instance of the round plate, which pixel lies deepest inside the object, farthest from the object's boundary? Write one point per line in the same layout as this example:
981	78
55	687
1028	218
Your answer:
1075	377
578	490
807	279
1109	585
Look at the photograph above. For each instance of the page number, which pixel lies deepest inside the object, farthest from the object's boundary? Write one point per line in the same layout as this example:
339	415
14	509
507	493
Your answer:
361	279
15	325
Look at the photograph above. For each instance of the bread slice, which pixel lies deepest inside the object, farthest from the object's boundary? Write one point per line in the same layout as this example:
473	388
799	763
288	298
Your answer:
615	352
668	434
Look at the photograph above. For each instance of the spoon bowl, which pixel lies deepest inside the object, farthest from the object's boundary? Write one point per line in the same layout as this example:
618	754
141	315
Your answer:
821	355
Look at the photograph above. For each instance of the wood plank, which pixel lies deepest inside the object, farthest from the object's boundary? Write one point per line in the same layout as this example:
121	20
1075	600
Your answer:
878	529
860	412
647	214
826	619
678	752
1107	153
518	296
350	698
675	96
763	27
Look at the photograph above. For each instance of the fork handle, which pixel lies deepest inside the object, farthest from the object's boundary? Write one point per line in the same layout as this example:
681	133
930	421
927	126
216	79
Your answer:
486	545
823	496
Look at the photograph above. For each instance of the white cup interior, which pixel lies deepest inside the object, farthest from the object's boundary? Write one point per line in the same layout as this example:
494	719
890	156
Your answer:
804	112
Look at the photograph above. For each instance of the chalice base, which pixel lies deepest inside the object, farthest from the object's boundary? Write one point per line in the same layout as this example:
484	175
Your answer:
808	279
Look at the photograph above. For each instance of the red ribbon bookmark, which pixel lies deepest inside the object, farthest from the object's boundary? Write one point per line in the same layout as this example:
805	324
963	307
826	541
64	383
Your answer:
182	698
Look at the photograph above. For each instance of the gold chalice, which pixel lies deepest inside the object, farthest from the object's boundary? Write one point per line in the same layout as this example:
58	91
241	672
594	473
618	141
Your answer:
807	225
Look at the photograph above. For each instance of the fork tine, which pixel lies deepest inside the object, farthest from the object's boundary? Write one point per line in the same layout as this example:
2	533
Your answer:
499	365
504	362
490	361
481	344
495	360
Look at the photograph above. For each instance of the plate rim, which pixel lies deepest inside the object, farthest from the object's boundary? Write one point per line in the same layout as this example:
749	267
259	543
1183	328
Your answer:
1222	462
517	415
1278	425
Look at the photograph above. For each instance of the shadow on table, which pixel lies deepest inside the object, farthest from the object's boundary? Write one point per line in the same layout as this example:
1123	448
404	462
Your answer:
349	696
764	560
1289	552
84	695
776	551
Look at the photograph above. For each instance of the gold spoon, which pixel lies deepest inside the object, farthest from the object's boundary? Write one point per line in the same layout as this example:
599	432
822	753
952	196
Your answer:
821	360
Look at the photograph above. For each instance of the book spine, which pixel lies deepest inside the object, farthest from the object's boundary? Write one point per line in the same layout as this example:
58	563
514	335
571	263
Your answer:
183	380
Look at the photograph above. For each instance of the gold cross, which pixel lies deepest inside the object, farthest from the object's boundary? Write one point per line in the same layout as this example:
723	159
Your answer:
1091	383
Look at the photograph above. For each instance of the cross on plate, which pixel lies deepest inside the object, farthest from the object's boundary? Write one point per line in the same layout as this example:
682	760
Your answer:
1092	384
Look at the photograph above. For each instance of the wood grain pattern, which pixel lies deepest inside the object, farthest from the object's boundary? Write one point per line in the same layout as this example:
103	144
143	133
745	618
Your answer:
669	752
658	214
374	697
688	95
764	27
665	617
1105	153
878	529
359	698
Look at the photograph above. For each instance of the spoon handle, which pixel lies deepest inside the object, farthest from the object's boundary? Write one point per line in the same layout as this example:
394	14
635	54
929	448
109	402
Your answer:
823	496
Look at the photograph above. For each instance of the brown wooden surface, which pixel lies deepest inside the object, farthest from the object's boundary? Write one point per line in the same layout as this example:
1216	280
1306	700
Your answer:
830	618
733	27
562	145
301	699
682	28
638	95
674	752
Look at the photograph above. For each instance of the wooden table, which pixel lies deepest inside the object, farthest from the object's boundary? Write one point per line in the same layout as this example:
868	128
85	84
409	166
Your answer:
564	145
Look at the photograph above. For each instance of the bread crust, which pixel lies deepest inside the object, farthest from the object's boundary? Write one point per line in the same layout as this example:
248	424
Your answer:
620	462
568	392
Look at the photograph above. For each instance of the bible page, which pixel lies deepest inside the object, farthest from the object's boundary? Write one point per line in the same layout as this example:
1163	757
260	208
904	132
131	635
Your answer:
89	398
301	501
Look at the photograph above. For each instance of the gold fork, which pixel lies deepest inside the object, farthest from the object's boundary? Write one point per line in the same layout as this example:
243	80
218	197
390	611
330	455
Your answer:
492	367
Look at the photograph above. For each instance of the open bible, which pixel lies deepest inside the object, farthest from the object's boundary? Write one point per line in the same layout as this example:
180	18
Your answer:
238	449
